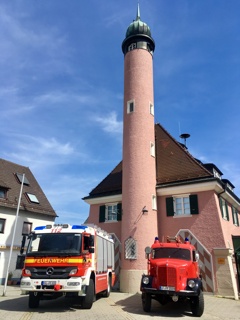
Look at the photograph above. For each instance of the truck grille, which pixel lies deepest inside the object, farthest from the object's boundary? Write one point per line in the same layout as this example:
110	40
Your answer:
167	276
55	272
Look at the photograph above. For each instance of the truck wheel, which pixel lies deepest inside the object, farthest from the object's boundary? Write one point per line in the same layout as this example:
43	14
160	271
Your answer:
87	301
197	305
146	302
106	293
33	301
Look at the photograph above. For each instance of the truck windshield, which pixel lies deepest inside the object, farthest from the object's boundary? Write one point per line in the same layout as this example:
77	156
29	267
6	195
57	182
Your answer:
60	244
171	253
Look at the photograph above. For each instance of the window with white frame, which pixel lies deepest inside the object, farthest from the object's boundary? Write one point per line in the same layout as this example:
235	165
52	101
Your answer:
151	109
152	149
130	106
182	205
235	216
110	212
154	202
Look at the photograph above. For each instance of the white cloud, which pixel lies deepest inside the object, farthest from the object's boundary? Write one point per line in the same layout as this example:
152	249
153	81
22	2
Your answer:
110	123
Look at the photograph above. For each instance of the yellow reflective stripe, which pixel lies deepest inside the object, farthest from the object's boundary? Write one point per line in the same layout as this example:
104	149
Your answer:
29	260
54	260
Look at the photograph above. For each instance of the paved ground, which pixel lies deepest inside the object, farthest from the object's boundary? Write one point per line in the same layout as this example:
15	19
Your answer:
118	306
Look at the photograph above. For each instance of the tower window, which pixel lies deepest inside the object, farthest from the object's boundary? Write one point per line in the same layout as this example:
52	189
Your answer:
130	106
130	249
132	46
151	109
152	149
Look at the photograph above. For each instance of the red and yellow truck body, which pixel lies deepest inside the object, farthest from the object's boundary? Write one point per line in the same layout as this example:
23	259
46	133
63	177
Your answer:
73	261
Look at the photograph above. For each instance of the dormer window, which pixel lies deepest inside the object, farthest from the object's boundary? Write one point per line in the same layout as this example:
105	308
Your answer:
3	193
216	174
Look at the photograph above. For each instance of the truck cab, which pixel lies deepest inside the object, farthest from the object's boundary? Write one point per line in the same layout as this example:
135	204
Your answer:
173	274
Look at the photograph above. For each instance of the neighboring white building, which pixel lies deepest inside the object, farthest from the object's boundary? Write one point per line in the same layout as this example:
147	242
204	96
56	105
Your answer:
34	210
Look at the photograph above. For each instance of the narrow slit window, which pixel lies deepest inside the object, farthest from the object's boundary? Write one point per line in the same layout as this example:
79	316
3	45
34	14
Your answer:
152	149
151	109
130	106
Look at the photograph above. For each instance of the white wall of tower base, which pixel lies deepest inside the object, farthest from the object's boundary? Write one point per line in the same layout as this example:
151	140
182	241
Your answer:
130	280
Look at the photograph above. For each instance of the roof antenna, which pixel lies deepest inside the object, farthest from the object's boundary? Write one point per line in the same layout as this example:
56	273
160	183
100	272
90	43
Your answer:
185	136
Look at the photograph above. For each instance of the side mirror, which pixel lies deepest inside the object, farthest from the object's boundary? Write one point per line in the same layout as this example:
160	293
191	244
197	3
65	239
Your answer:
148	250
197	257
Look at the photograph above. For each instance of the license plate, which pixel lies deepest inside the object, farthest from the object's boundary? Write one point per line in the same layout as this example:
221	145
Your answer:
167	288
48	283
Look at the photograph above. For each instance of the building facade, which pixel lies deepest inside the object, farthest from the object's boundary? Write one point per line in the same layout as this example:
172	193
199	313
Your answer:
160	189
34	210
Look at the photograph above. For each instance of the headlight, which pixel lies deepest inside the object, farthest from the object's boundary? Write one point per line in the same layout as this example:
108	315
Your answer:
191	283
145	280
73	271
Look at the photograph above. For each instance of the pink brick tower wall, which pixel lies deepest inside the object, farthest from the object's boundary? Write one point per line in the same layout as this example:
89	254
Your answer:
139	174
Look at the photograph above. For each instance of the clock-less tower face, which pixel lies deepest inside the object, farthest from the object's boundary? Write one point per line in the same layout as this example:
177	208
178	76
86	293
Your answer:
139	218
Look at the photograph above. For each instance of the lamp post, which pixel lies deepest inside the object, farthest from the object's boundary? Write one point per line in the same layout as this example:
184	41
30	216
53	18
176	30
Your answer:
14	231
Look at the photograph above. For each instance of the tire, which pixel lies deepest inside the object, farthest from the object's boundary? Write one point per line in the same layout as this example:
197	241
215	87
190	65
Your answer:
33	301
197	305
106	293
146	302
87	301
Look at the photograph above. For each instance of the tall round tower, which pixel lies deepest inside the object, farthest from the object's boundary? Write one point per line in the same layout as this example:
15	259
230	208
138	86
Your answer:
139	214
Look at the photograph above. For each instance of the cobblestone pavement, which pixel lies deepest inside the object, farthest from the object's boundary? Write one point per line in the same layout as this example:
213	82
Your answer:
119	306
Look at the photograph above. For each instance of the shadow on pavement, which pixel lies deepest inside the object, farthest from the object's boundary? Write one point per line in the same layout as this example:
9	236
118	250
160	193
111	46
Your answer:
21	305
133	305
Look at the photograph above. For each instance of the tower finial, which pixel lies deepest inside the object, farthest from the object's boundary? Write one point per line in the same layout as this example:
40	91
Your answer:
138	12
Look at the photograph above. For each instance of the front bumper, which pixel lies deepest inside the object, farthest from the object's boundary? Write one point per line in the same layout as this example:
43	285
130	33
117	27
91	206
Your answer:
54	285
185	293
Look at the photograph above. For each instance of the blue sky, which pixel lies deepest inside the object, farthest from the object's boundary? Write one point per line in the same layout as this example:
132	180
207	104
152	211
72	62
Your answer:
61	87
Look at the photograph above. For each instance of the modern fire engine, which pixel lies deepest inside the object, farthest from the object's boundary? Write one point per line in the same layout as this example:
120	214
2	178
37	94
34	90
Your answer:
173	274
73	261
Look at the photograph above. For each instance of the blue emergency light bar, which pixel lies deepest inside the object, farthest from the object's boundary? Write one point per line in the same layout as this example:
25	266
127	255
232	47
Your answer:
75	226
40	228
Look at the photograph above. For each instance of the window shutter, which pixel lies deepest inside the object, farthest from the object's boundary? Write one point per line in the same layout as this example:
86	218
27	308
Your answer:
193	198
169	206
226	205
119	212
102	214
221	205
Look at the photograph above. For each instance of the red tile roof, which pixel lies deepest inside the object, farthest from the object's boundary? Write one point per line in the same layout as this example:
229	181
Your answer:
173	164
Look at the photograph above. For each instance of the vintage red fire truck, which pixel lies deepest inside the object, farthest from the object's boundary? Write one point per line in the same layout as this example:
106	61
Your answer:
173	274
73	261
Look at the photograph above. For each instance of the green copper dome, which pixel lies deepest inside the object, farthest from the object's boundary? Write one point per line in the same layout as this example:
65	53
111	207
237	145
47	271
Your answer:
138	36
138	27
